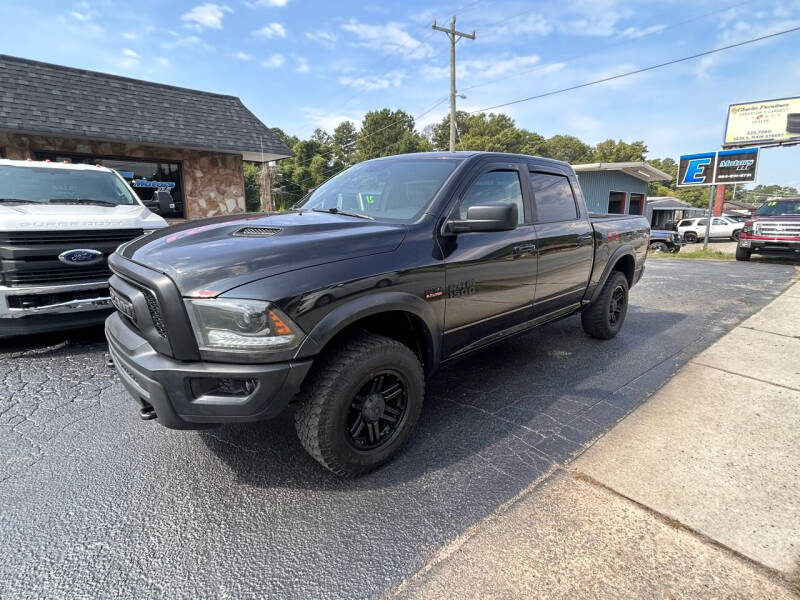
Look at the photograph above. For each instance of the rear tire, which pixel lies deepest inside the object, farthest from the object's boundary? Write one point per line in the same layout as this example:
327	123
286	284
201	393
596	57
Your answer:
742	254
604	317
736	235
690	237
360	404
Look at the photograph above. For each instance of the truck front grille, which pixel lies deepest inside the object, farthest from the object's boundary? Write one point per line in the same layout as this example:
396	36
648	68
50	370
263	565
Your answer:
778	229
30	258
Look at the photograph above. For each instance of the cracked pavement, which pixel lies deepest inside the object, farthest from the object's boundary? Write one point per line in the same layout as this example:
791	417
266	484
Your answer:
96	503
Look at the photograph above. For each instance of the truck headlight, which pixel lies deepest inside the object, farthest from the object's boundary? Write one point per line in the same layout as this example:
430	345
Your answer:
244	326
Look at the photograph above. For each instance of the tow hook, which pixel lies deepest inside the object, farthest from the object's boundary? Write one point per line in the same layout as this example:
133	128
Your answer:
109	361
147	413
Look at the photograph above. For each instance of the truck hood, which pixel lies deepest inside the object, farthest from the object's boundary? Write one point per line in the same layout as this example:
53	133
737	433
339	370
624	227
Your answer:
209	257
37	217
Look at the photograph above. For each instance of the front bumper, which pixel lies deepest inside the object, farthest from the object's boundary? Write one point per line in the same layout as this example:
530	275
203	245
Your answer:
37	309
765	245
168	388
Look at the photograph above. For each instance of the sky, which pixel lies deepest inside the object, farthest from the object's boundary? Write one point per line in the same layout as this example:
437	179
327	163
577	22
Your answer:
299	65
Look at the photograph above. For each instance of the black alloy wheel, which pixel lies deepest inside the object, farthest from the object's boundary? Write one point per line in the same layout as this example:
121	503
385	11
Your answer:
376	411
690	237
617	305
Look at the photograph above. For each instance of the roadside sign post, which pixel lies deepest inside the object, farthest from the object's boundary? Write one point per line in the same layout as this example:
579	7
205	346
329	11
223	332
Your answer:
717	168
711	191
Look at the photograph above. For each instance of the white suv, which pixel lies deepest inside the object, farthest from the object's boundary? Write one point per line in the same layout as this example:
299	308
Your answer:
694	230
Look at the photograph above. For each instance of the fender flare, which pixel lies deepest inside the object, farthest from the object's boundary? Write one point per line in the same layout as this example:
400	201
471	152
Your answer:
347	314
624	250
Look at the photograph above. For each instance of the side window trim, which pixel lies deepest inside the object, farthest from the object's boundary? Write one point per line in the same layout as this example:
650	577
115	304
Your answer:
488	168
533	169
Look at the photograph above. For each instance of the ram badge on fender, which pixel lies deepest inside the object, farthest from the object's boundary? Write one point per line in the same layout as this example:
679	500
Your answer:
345	303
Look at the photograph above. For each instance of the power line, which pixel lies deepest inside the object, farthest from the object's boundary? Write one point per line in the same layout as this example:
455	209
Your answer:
637	71
594	51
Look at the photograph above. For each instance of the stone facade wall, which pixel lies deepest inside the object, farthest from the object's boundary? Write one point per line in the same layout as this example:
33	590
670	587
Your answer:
213	182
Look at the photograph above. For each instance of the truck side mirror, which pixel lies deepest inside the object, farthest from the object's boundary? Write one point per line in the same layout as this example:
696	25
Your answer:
490	216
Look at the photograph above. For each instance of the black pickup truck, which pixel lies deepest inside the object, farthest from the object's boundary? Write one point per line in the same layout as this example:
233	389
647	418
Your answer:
345	303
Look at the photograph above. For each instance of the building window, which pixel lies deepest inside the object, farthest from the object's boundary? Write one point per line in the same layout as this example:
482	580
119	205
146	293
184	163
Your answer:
616	203
145	177
636	204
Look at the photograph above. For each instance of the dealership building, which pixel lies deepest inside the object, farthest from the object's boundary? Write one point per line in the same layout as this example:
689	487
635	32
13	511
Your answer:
617	188
159	137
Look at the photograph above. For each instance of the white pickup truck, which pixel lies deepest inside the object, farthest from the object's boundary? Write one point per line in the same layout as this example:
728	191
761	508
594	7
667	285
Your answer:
58	224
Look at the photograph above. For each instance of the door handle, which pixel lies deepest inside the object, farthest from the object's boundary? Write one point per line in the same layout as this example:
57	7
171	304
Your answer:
524	248
585	237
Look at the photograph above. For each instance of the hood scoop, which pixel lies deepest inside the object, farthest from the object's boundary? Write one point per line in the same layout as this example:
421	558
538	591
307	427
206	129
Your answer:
256	231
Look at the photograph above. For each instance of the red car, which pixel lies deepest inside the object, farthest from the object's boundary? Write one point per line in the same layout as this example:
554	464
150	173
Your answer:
774	229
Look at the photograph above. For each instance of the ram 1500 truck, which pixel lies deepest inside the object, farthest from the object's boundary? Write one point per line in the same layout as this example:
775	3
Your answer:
774	229
58	224
345	303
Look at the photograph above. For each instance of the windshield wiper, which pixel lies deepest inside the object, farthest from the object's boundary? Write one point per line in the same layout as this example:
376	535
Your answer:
81	201
337	211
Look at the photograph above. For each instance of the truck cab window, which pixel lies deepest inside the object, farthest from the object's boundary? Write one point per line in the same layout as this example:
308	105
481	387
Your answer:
554	198
495	186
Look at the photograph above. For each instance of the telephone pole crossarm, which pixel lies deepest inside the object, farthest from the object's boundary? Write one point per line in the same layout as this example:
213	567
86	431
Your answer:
452	34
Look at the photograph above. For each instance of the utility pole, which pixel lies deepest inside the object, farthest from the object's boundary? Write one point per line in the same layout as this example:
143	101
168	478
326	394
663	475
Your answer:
453	34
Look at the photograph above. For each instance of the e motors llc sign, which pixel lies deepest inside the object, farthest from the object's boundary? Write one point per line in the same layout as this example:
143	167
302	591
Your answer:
711	168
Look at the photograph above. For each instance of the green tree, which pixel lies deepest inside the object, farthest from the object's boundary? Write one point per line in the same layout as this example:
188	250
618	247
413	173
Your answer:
619	151
567	148
386	132
490	133
344	143
252	186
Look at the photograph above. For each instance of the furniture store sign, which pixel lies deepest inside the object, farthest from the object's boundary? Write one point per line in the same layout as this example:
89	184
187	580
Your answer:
712	168
765	122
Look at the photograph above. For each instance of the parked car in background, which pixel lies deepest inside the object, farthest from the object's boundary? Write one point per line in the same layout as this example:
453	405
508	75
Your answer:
694	230
665	241
58	224
343	304
774	229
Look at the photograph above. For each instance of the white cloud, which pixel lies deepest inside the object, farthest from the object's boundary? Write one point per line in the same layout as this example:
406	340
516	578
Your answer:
243	56
391	38
488	66
208	15
634	33
78	16
188	41
267	3
322	36
273	61
302	65
130	53
129	60
271	30
526	24
129	35
162	61
328	120
372	83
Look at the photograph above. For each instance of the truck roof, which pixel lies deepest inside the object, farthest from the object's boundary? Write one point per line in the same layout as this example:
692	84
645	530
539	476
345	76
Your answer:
470	154
6	162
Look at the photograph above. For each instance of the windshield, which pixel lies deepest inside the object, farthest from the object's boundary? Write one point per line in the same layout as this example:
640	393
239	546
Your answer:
779	207
393	190
62	186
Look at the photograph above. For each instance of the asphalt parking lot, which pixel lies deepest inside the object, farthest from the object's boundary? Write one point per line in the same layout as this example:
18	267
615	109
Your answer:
96	503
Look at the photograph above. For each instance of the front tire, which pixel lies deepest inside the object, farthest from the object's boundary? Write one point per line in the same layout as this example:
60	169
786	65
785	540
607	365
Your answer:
742	254
690	237
604	317
658	247
360	404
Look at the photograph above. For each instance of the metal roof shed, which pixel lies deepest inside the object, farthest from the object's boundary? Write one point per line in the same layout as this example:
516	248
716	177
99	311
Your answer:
617	187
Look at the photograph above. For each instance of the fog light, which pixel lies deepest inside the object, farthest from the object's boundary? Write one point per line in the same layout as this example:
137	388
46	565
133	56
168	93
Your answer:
744	243
222	386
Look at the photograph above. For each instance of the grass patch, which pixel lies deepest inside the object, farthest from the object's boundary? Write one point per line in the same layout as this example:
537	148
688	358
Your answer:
700	253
